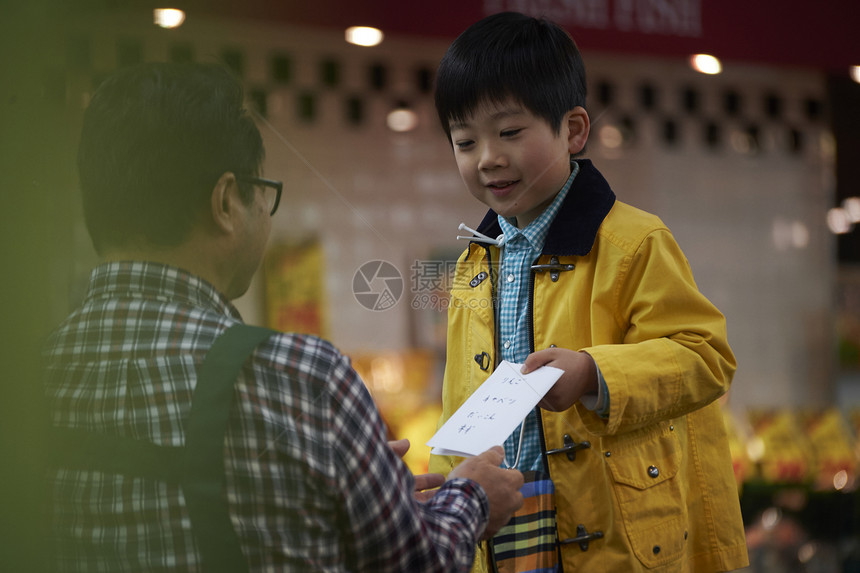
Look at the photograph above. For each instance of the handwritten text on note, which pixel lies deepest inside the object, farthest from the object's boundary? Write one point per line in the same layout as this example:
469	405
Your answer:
494	410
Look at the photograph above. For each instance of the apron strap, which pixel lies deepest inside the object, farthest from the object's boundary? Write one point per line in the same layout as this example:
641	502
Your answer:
203	465
199	466
84	450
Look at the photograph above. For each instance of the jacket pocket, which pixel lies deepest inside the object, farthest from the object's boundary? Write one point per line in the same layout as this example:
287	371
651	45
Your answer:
647	487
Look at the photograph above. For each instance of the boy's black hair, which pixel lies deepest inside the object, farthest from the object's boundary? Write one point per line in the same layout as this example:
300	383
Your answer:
510	55
154	141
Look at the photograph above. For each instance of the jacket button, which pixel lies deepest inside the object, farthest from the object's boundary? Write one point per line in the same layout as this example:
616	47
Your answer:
656	549
653	471
607	454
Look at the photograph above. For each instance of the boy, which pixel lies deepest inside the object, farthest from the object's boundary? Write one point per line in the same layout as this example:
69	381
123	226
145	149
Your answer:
631	435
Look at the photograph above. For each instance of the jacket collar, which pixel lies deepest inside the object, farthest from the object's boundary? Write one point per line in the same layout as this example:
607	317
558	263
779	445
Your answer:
574	228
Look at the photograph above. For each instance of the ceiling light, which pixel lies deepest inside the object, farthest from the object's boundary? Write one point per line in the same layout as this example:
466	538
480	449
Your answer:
787	234
851	205
168	17
838	221
402	119
610	136
364	36
855	73
706	64
799	235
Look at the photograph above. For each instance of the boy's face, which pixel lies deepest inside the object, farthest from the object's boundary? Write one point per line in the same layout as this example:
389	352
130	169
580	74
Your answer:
512	160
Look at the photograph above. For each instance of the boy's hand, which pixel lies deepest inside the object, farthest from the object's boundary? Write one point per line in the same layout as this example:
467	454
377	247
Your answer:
579	378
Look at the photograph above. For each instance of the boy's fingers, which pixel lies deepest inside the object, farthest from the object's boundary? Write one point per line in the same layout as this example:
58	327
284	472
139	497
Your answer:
536	360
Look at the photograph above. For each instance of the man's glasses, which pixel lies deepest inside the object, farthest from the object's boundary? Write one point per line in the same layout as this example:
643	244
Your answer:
272	199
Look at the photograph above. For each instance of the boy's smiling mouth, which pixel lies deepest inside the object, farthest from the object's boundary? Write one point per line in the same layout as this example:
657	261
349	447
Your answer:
500	187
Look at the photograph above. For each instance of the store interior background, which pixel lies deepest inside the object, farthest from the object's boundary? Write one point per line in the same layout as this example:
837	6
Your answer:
745	167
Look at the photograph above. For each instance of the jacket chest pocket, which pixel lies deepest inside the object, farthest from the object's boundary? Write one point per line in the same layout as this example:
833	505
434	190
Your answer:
647	488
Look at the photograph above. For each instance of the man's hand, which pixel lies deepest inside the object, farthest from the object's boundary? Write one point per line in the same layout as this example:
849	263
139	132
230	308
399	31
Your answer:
579	378
423	482
400	446
501	486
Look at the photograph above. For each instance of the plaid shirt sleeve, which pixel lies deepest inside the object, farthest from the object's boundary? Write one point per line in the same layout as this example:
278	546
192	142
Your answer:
388	529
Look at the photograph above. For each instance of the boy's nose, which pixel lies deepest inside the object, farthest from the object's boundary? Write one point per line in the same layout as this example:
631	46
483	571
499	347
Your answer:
491	158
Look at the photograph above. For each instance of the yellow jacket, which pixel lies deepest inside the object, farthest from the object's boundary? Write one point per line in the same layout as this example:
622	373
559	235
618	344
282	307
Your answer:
657	478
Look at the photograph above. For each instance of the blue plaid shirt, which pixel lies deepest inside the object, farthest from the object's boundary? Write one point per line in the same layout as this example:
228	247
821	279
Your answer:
521	248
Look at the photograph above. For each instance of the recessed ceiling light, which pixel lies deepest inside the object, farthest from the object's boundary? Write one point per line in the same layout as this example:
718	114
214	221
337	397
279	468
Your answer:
402	119
706	64
852	208
364	36
610	136
168	17
838	221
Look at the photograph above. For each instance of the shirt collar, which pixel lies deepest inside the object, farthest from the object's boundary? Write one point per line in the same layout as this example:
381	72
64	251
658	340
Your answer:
156	281
574	230
536	231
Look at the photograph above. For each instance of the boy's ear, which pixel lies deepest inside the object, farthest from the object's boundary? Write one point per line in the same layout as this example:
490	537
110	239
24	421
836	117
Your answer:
224	202
578	126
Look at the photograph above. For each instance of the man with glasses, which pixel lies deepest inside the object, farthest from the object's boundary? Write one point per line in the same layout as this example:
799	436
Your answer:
169	166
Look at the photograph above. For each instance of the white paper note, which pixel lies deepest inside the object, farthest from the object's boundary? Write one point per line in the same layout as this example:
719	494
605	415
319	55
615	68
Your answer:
493	411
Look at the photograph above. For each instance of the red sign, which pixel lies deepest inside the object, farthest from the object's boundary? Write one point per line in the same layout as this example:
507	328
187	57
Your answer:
822	34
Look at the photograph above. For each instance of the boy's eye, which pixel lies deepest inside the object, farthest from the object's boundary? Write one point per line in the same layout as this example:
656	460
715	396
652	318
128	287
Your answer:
510	132
463	143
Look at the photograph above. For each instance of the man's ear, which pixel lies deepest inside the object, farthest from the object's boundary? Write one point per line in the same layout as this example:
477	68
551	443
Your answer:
578	126
224	202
